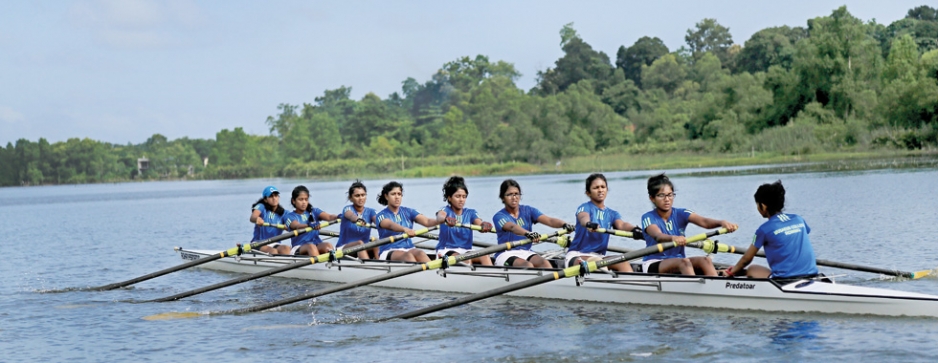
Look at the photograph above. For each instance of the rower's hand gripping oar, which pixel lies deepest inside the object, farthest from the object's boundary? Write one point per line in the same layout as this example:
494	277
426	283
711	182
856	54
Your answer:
573	271
325	257
230	252
435	264
724	248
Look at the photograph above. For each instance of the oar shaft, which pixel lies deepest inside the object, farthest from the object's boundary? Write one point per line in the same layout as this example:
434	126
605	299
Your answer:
327	291
203	260
476	297
435	264
235	281
276	270
556	275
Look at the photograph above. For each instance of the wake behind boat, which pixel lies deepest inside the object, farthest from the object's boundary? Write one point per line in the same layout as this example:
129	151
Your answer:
807	295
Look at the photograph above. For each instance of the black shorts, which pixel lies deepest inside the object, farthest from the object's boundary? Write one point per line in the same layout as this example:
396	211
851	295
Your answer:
511	260
653	267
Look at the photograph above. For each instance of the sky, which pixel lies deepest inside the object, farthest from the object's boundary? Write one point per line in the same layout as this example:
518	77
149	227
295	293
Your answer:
120	71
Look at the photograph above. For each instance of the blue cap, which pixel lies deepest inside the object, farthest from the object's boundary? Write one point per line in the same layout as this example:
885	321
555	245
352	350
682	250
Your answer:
270	190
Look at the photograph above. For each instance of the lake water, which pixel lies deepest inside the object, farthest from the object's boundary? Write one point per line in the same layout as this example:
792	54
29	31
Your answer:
88	235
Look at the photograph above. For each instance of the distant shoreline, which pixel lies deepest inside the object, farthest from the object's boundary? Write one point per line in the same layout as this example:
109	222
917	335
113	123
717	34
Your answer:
765	163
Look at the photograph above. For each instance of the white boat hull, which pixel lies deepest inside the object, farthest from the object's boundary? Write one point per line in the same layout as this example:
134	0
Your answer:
668	290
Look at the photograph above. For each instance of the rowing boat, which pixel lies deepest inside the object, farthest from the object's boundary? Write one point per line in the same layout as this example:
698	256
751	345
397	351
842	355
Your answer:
808	295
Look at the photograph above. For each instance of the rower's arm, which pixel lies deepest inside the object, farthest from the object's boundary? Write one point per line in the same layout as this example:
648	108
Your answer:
659	236
387	224
327	217
711	223
514	228
551	221
623	225
440	216
296	225
583	218
427	222
746	259
256	217
350	215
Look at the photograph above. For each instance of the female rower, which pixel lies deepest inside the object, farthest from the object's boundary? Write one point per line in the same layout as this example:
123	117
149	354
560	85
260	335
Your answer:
666	224
784	236
353	231
400	219
453	240
306	215
268	210
587	244
514	223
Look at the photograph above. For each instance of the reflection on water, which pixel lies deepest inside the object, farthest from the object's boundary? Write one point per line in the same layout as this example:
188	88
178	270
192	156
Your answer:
788	334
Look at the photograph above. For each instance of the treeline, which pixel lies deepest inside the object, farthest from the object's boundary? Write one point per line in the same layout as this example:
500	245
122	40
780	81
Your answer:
838	84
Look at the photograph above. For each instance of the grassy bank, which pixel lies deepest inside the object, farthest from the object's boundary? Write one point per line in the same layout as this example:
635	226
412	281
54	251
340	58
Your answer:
626	162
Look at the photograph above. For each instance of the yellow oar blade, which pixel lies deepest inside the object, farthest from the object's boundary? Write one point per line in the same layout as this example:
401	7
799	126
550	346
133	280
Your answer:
920	274
173	315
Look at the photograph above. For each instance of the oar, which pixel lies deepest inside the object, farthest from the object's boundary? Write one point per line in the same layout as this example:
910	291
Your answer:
564	273
435	264
313	260
847	266
230	252
474	227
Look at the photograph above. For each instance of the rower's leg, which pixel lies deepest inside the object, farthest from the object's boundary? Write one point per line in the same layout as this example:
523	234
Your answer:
676	265
540	262
704	264
324	247
361	254
402	256
419	255
484	260
308	249
283	249
758	272
622	267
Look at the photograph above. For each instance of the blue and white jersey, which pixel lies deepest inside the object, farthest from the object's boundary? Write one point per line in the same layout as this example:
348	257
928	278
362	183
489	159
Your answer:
307	219
527	217
586	241
262	233
457	237
674	226
787	246
350	232
404	217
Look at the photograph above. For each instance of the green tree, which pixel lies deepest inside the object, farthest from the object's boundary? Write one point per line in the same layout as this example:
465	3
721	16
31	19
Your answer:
580	62
770	47
665	73
644	52
710	36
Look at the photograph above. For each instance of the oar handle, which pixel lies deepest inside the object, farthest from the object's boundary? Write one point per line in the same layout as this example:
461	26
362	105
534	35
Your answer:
475	227
616	232
274	225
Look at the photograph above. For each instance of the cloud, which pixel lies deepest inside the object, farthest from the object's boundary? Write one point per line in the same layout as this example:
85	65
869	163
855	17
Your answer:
137	23
9	115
